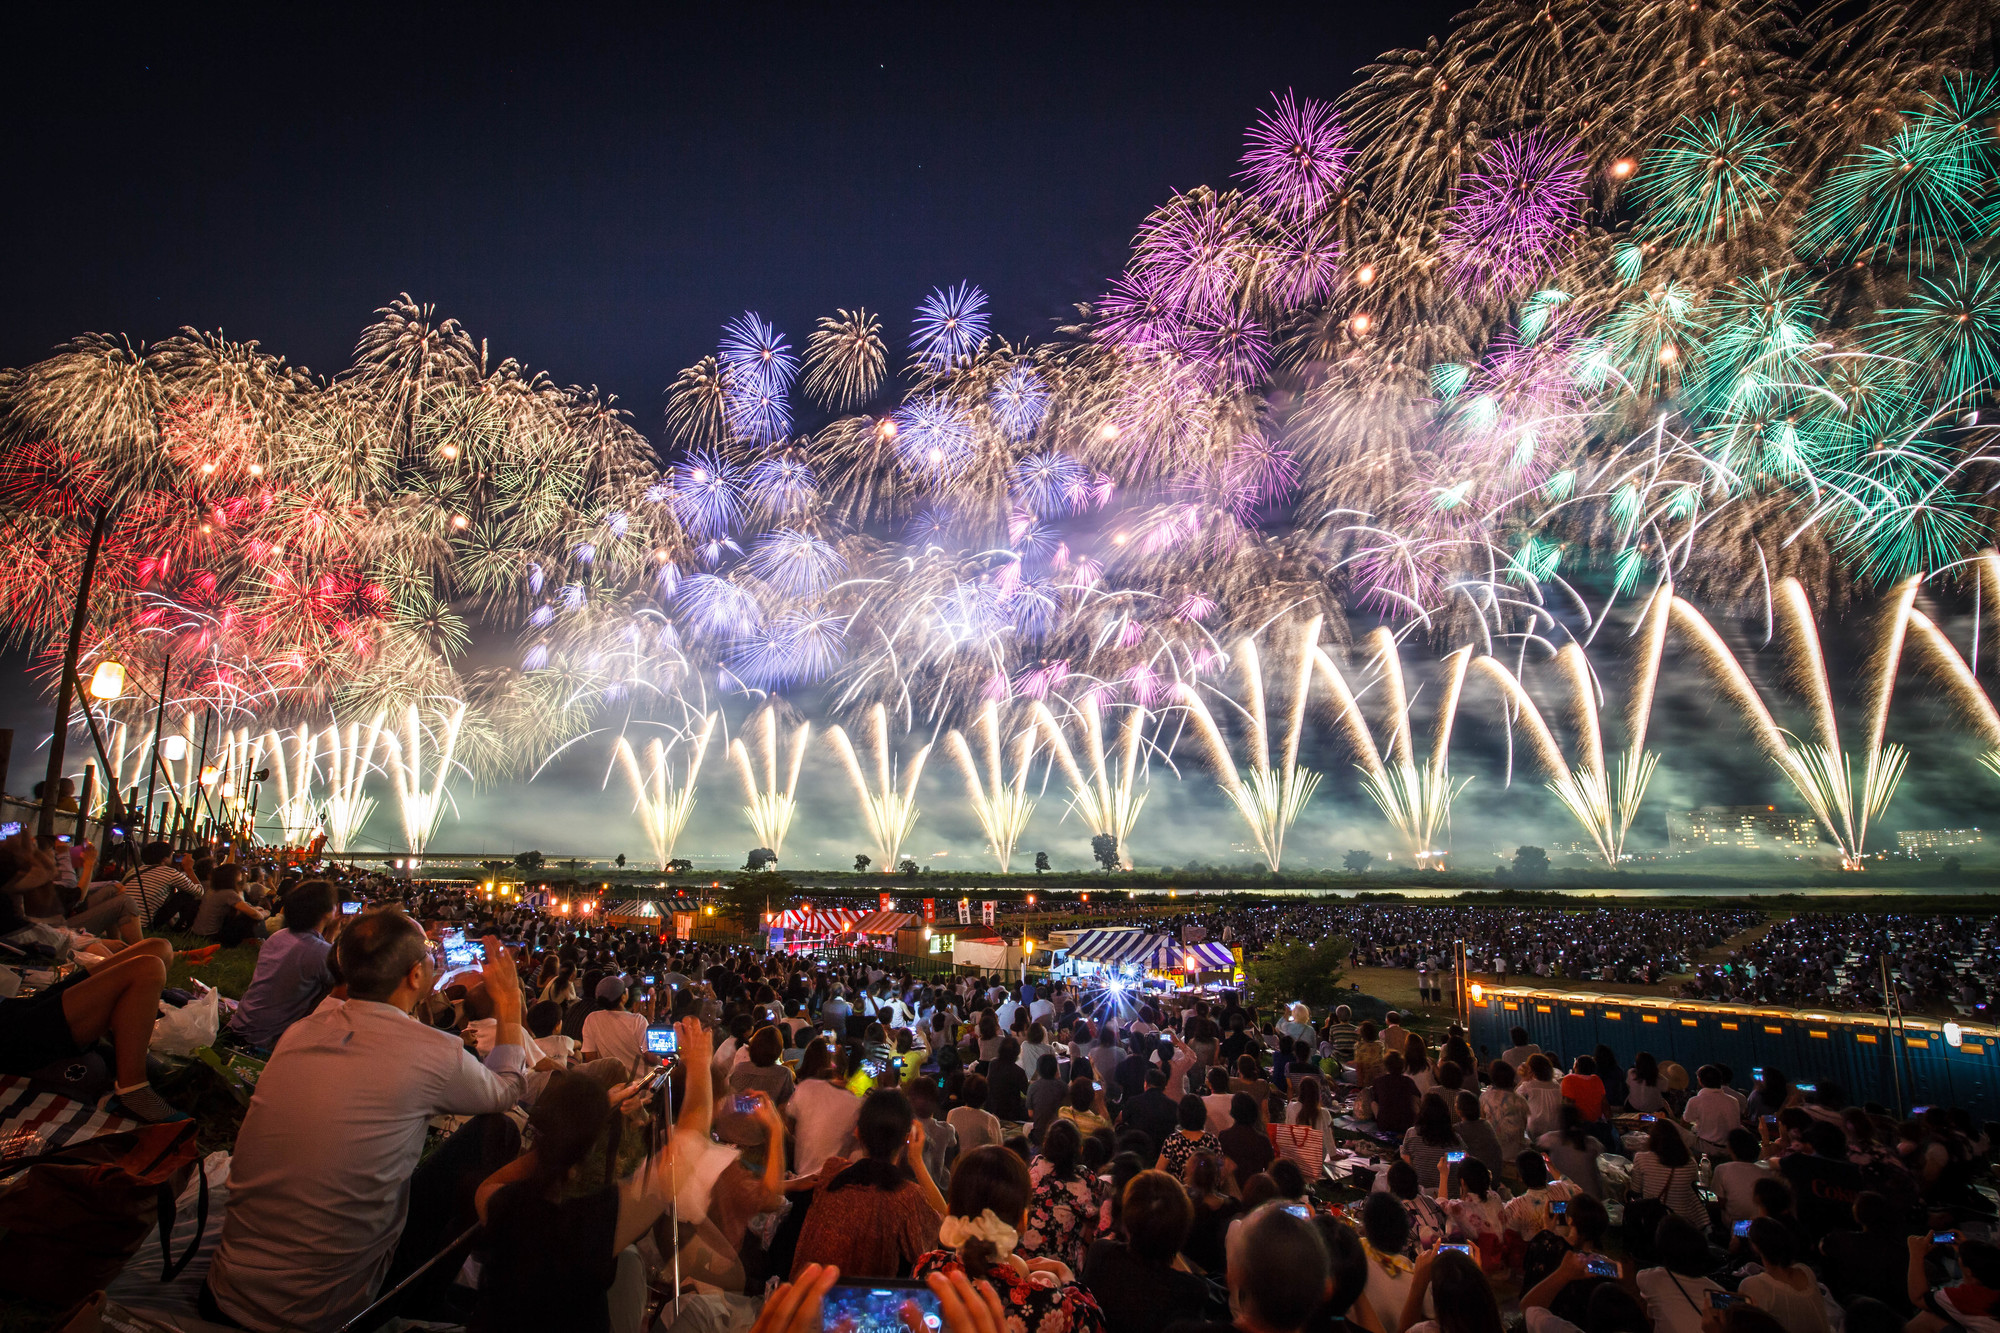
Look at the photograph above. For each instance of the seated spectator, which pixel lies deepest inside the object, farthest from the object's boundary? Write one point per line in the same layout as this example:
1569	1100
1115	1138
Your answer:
1453	1284
988	1211
822	1111
119	999
1217	1099
1007	1084
1823	1181
1477	1209
1133	1277
326	1170
1431	1138
1347	1266
550	1244
1566	1290
1278	1273
613	1031
1786	1290
292	975
1214	1209
1544	1098
1712	1113
1735	1181
1385	1235
762	1072
1575	1153
1062	1218
154	885
1663	1170
1190	1138
1478	1137
975	1126
1870	1260
1086	1107
1245	1143
876	1216
1643	1085
1677	1291
1151	1112
223	915
940	1139
1046	1095
1393	1096
1969	1304
1505	1109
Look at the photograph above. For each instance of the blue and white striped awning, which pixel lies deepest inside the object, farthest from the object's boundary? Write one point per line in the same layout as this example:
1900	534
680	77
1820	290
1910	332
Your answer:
1152	953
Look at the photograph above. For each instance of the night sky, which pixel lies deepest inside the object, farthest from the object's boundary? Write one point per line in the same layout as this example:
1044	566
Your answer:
595	193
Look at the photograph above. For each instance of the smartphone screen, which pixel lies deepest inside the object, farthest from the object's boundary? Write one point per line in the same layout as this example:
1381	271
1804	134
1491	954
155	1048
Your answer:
1598	1266
1559	1206
1300	1210
663	1041
1722	1300
877	1307
1454	1157
746	1105
457	953
1649	1119
10	828
1465	1250
1945	1238
1741	1228
352	908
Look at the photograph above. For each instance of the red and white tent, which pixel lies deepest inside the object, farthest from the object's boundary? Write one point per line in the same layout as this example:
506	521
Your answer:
815	920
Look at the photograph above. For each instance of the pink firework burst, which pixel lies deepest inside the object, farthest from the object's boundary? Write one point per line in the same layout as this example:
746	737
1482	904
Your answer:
1232	346
1517	210
1296	156
1135	314
1190	252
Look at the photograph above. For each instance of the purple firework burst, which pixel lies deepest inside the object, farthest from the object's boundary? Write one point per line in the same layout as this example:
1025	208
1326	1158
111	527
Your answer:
707	495
1048	485
1517	211
1018	402
933	439
1295	156
1232	345
951	323
758	369
781	486
1137	315
1190	250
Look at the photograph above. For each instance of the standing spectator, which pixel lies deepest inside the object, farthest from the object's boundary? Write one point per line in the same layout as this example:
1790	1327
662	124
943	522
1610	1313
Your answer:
326	1171
1712	1113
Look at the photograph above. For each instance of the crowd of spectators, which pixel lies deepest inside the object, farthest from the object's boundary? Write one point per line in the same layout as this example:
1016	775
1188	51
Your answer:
607	1113
1834	960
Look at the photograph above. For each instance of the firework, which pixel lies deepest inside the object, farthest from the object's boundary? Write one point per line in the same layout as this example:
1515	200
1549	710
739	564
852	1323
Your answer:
1416	798
1002	804
1821	771
1517	211
770	807
663	803
888	811
1296	156
845	359
757	370
350	758
1108	795
951	323
295	813
422	786
1711	176
1274	793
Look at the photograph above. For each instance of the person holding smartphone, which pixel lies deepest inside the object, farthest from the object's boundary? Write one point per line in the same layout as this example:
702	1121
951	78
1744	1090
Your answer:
613	1031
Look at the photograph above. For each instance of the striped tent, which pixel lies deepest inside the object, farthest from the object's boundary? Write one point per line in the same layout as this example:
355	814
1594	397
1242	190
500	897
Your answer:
883	923
815	920
1151	953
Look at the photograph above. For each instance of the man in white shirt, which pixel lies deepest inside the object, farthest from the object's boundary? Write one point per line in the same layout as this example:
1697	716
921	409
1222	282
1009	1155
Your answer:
1517	1054
1712	1113
822	1113
1004	1015
325	1173
614	1032
1041	1010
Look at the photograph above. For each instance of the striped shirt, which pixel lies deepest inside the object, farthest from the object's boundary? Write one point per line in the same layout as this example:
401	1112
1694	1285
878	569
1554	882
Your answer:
150	886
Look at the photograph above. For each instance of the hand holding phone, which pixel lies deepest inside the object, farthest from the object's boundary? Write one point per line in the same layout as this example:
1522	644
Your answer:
1722	1300
1454	1157
1559	1207
1598	1266
662	1039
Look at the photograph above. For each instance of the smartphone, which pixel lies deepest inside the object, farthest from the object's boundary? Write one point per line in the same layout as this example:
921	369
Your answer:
663	1040
1944	1238
1559	1207
1465	1250
457	953
832	1035
873	1068
1757	1073
350	908
650	979
1648	1119
746	1104
877	1307
1741	1228
1599	1266
10	828
1722	1300
1806	1087
1300	1210
653	1080
1918	1110
1454	1157
1099	1087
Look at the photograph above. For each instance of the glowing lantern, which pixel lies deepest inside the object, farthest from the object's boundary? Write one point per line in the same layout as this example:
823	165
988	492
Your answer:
108	681
174	749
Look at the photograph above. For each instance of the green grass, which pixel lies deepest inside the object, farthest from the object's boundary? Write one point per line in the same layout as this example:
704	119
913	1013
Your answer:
229	971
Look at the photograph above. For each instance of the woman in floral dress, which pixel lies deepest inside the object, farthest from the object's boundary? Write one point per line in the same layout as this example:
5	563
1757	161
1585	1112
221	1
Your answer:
991	1197
1062	1218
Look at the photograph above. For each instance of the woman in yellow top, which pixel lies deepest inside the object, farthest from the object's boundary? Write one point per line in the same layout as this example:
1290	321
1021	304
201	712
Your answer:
1368	1053
1086	1108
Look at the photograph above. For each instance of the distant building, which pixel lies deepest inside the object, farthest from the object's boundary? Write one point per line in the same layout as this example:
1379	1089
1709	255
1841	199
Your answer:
1914	841
1741	827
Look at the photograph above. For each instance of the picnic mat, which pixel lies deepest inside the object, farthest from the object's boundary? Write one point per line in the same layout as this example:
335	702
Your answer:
34	1121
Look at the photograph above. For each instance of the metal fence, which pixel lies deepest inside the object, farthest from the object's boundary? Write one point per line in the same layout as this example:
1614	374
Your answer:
1900	1063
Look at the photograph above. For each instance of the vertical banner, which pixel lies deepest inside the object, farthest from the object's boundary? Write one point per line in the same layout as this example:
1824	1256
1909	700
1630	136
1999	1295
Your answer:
887	901
965	911
930	910
987	909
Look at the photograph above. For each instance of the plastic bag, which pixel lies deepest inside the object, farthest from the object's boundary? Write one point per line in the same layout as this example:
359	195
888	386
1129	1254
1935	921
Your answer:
185	1030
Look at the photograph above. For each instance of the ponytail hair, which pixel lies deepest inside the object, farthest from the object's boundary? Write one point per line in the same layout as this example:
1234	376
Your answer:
988	1179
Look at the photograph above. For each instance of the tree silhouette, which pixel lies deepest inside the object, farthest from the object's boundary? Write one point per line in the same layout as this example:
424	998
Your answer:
907	867
759	858
619	860
1041	863
863	861
529	860
1530	863
1356	860
679	866
1105	848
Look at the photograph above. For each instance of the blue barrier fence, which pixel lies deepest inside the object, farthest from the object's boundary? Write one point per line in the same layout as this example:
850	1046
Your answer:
1909	1064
